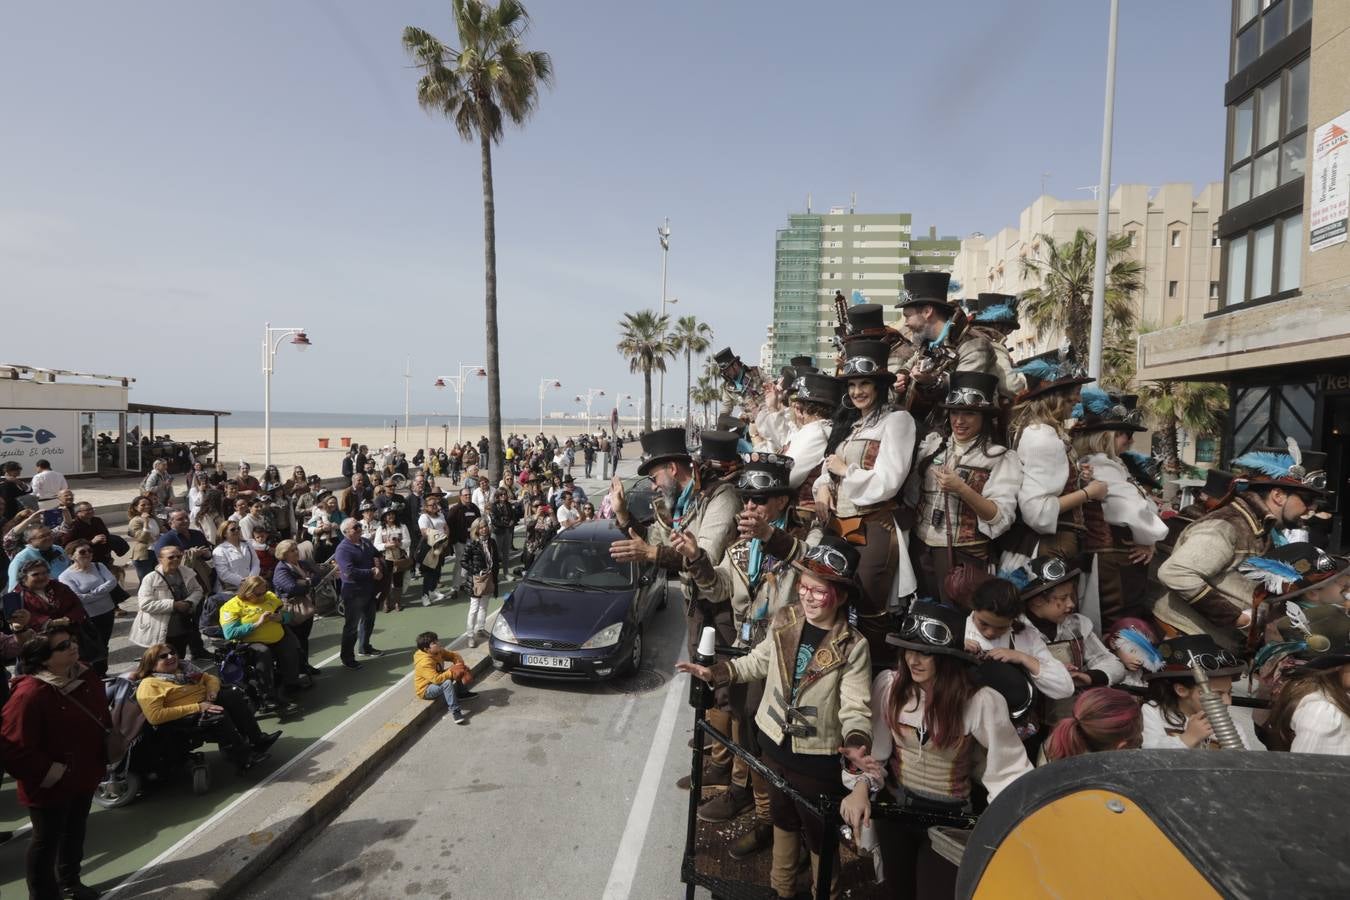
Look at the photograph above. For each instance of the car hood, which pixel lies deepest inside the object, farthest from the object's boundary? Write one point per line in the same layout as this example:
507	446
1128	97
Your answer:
540	612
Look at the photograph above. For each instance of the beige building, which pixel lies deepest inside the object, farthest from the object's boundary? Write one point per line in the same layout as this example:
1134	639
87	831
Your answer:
1281	337
1173	234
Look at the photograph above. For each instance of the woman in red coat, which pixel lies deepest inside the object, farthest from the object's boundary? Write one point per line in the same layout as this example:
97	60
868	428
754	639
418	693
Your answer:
52	742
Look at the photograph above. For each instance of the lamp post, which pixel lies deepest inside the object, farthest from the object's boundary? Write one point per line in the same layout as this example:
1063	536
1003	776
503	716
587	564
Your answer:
663	233
1103	205
545	384
300	341
591	394
457	382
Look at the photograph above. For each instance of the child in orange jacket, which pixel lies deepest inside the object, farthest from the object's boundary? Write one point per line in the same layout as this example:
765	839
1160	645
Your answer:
438	672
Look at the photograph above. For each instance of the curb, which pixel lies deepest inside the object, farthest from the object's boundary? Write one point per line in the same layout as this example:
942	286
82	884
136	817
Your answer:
236	864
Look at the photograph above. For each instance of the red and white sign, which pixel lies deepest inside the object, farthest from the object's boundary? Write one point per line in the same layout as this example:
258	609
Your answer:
1329	215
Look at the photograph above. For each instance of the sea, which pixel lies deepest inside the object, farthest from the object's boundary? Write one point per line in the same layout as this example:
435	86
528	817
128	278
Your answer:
253	418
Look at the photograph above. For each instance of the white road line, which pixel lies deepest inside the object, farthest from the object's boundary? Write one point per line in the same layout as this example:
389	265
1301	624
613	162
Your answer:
135	878
621	874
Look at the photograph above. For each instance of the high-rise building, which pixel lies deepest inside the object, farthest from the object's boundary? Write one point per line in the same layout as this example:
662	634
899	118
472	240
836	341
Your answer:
1280	334
1171	231
843	250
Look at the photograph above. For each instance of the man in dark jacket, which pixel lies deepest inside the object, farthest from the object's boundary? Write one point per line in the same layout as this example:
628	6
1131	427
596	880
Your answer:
360	570
459	519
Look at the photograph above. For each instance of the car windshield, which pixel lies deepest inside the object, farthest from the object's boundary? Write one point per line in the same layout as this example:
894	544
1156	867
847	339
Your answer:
580	563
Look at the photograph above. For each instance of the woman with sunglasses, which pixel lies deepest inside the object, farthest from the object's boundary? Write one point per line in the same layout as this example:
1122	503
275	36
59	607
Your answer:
935	728
1173	717
814	403
52	742
234	558
169	598
817	670
866	463
1123	527
174	694
93	583
966	494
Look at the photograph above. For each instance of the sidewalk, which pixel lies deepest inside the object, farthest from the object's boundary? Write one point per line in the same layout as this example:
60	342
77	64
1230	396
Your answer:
171	843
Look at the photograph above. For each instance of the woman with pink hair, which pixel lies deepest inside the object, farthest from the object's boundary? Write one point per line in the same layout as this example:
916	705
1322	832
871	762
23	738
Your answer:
1103	719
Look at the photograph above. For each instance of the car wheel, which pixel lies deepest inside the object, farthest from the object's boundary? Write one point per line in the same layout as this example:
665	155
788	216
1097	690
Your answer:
634	661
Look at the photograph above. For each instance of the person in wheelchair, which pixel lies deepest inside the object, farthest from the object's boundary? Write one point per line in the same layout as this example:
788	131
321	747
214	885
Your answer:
254	616
173	694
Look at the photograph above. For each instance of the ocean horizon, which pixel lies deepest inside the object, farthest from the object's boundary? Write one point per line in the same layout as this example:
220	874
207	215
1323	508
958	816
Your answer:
253	418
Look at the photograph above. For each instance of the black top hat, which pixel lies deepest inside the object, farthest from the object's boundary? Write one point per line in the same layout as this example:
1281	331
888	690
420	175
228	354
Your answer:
997	309
314	479
1098	410
787	379
1011	681
927	288
1176	653
1052	371
663	445
833	559
866	319
932	628
1325	640
1217	483
725	357
1041	574
728	422
802	362
765	473
974	391
867	359
719	449
813	387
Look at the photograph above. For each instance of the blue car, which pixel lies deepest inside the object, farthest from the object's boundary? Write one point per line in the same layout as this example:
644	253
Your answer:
577	614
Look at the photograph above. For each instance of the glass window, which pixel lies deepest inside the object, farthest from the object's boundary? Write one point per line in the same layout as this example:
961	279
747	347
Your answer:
1239	186
1292	158
1171	289
1266	172
1268	121
1237	270
88	443
1248	43
1242	129
1291	252
1300	11
1273	27
1176	238
1246	9
1296	110
1263	260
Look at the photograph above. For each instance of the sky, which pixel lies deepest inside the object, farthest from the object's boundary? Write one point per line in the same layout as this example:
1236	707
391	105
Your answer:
174	175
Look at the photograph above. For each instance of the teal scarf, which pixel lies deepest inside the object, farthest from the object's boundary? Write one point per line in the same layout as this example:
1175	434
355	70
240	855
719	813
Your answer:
682	503
756	564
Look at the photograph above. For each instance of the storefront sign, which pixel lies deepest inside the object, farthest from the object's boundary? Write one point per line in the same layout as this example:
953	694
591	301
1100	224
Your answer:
1330	212
1330	384
54	435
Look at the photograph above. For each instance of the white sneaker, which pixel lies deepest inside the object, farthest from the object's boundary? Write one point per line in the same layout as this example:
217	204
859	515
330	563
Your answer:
426	599
437	596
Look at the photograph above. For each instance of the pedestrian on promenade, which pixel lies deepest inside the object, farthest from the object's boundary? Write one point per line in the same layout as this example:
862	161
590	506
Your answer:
47	484
143	529
480	564
360	569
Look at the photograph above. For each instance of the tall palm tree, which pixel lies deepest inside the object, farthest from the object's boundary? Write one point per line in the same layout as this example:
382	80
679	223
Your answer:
1197	406
490	79
690	336
706	392
1062	301
643	340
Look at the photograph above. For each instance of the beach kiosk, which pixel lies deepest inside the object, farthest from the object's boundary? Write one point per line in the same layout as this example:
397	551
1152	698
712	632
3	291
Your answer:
56	415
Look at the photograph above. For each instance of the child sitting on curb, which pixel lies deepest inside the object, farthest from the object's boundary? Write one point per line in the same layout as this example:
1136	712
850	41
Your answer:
438	672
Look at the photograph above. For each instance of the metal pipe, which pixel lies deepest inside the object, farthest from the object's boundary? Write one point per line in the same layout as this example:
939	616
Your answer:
1103	205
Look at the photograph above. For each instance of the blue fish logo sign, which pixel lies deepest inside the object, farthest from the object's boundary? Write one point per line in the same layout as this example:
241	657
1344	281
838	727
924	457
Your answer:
24	434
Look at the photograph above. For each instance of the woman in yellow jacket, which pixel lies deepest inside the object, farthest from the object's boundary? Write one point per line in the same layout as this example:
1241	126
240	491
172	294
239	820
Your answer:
438	672
173	693
256	618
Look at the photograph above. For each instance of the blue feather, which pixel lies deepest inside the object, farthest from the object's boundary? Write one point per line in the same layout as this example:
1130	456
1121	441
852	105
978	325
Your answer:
1095	400
942	335
1276	465
1276	651
1019	577
1077	413
1272	573
1000	313
1041	369
1153	660
858	297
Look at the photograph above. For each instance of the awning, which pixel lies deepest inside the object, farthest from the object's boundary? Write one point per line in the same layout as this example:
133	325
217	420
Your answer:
156	410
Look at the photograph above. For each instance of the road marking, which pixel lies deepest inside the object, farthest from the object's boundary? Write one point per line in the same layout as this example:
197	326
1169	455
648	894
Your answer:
621	874
135	878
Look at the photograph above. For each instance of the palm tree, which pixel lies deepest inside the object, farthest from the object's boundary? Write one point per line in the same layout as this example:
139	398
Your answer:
643	340
1062	302
690	336
706	392
1197	406
489	80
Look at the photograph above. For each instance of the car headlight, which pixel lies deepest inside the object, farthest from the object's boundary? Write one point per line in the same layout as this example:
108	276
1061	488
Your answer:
605	637
501	630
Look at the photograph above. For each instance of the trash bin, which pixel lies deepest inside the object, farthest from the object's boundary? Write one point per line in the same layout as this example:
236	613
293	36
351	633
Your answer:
323	443
346	442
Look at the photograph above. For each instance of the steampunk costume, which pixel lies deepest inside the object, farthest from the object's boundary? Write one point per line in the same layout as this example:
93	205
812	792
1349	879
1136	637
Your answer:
806	449
742	385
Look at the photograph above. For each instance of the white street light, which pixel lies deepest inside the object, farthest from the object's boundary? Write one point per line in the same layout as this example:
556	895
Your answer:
1103	205
545	384
457	382
300	341
591	394
663	233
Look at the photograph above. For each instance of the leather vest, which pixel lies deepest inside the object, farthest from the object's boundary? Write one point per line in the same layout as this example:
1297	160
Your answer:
935	506
1076	518
934	773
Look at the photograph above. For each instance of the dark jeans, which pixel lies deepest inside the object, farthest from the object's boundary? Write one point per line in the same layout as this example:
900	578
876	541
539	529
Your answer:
280	662
234	733
56	847
301	632
358	619
431	577
144	566
103	627
503	538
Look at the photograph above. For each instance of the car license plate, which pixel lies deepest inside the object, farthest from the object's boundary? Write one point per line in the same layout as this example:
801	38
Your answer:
547	662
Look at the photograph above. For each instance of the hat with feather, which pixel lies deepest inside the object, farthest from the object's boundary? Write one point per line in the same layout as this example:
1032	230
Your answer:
1318	638
1057	371
1098	410
1292	570
1291	470
997	309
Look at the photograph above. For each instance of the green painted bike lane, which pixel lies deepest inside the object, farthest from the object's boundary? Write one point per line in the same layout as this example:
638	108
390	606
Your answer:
121	841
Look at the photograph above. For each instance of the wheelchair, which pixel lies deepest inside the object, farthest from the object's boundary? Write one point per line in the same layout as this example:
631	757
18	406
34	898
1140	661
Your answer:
153	754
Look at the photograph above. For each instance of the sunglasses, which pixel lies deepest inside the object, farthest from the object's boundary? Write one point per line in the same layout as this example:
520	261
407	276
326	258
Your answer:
757	499
927	629
167	654
828	559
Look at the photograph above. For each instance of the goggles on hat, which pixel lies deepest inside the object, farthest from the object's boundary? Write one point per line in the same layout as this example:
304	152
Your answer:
860	365
967	397
1127	416
1054	570
827	560
758	481
1317	481
927	629
1221	659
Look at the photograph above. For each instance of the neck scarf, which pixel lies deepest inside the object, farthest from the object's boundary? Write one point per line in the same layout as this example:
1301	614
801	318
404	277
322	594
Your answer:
755	567
683	502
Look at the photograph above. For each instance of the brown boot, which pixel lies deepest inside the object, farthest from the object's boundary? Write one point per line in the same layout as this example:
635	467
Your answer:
727	805
757	839
783	870
713	776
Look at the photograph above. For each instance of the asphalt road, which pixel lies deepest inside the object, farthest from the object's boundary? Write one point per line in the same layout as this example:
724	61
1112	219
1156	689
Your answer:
557	790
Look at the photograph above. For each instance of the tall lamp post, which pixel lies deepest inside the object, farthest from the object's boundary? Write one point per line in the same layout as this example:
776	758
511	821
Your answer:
300	341
457	382
1103	205
591	394
545	384
663	232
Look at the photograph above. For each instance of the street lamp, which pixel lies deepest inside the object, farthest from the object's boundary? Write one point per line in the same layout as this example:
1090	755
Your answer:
591	394
300	341
545	384
663	234
457	382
